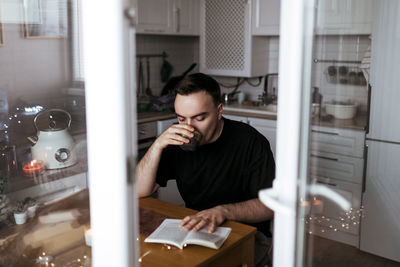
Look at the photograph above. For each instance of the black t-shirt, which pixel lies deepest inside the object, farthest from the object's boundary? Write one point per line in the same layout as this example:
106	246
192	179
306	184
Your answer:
230	170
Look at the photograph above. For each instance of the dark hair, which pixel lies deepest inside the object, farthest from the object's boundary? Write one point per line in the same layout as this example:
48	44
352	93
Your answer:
197	82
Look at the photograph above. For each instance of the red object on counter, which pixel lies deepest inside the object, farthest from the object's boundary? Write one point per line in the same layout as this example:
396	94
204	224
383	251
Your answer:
33	167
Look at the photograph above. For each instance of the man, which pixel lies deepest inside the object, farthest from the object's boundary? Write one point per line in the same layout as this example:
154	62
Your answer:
222	177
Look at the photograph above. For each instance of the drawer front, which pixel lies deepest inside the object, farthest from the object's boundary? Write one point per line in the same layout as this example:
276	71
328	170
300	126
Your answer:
333	166
332	216
147	130
338	141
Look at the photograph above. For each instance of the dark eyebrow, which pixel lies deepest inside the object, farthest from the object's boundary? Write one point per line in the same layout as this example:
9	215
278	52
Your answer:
200	114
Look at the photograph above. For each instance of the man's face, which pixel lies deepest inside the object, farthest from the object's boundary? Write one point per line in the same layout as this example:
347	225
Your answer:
198	110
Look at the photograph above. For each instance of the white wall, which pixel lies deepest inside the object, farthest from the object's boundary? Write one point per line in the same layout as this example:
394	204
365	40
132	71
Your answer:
33	67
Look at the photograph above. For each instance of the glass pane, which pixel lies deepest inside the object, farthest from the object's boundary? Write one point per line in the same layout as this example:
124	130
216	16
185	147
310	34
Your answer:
354	142
44	202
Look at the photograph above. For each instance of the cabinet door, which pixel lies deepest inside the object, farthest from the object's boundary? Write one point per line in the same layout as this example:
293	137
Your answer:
186	17
265	17
330	221
154	16
266	128
339	218
344	17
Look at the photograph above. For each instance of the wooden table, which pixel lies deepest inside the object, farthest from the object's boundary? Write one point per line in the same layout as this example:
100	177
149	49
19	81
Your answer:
238	249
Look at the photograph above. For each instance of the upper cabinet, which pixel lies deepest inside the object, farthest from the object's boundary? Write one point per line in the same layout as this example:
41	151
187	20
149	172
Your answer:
174	17
227	46
265	17
343	17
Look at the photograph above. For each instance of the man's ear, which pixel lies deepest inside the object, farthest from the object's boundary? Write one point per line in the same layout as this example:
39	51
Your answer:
219	111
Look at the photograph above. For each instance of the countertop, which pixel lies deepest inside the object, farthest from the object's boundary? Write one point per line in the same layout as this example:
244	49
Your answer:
154	116
359	122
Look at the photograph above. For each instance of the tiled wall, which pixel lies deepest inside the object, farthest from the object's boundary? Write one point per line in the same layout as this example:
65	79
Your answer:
349	48
250	91
182	51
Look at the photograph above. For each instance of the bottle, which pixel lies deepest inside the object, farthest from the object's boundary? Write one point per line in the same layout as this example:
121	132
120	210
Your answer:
316	102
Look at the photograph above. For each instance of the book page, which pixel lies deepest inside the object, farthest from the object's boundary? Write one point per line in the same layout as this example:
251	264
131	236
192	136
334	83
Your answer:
204	238
168	232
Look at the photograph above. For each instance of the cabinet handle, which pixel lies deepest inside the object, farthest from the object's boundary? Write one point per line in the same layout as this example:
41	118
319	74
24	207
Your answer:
365	168
150	30
331	184
178	19
322	157
142	132
324	132
369	109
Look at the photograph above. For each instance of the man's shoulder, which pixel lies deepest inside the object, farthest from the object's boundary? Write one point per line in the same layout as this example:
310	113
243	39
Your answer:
239	127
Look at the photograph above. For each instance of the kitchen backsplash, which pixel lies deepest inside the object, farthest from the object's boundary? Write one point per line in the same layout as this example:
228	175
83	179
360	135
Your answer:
349	48
252	92
182	51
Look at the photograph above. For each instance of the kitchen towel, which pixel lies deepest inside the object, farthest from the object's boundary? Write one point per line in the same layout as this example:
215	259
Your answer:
365	64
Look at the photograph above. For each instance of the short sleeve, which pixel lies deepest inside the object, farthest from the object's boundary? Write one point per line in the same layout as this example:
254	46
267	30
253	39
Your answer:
165	170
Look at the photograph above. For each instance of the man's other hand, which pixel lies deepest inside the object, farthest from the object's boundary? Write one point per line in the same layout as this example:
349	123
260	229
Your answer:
211	217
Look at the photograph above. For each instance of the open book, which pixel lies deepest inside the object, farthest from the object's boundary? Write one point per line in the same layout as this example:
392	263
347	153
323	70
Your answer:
170	232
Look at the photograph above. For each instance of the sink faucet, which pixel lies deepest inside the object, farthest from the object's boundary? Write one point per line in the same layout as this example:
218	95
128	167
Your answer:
267	98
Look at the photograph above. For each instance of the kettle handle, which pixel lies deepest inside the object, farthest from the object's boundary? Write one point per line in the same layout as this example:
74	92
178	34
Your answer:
50	110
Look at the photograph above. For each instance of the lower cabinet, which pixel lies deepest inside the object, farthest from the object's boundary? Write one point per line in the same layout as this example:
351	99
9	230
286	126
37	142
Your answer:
336	161
330	221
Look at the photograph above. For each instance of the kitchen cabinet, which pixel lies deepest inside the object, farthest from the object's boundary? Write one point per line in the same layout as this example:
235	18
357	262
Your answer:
266	127
174	17
265	17
337	161
227	46
344	17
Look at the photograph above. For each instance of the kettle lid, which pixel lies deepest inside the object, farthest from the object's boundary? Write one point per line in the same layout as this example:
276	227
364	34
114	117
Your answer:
51	120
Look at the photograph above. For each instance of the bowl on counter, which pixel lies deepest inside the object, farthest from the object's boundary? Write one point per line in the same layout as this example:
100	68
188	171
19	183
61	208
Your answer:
341	110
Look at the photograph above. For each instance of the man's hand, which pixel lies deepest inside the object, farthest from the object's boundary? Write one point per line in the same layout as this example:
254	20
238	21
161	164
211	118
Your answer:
177	134
212	217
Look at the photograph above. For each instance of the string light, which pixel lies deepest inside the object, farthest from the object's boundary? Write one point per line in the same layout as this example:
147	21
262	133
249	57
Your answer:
346	221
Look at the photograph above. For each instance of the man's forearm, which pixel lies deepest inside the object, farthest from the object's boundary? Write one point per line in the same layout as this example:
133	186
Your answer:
146	171
250	211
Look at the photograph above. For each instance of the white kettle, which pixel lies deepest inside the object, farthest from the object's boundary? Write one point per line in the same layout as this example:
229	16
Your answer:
53	144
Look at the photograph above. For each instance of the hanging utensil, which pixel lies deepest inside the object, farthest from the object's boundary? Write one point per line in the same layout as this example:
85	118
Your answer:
140	79
166	70
148	90
170	85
